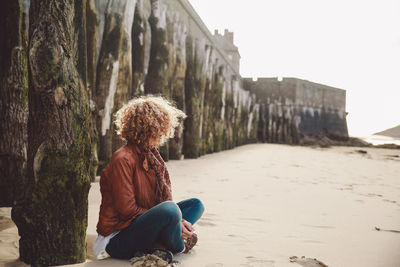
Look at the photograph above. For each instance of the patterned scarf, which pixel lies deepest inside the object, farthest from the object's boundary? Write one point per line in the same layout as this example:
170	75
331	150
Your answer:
163	183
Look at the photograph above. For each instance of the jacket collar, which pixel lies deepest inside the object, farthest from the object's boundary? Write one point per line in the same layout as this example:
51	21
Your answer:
135	148
142	156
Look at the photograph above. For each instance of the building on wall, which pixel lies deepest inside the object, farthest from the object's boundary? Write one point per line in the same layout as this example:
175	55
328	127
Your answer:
226	43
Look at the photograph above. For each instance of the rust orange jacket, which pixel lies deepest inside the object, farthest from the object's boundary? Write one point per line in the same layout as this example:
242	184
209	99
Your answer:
127	188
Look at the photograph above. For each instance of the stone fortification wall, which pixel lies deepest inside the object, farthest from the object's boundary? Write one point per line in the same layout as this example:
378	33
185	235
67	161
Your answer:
292	108
163	47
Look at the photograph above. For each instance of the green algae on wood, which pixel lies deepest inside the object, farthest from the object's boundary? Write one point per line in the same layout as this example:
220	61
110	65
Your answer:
13	100
138	52
52	215
156	81
91	40
192	141
107	76
123	92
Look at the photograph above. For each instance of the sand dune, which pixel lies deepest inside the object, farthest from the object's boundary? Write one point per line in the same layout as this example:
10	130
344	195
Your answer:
268	205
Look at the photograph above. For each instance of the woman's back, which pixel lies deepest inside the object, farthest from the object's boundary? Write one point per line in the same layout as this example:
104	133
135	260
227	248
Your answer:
127	190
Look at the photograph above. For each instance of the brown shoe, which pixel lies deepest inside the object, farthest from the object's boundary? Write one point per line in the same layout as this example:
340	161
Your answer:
190	243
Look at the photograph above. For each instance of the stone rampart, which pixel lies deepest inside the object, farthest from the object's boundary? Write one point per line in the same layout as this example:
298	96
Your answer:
168	50
165	48
293	107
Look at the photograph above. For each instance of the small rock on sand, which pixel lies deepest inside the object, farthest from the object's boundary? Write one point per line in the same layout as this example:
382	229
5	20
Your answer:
307	262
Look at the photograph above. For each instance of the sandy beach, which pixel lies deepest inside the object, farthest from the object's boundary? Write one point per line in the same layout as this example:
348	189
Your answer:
266	203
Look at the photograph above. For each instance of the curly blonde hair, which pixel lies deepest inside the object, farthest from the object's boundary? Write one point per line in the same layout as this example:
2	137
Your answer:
148	118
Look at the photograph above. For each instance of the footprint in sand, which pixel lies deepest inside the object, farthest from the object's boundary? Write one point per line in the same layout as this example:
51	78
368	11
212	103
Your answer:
390	201
255	262
205	223
296	165
371	195
207	220
252	219
345	188
215	265
319	226
312	242
208	216
195	192
392	157
238	237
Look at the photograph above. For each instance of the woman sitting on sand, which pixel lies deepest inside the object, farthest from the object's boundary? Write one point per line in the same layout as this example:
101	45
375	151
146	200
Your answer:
137	213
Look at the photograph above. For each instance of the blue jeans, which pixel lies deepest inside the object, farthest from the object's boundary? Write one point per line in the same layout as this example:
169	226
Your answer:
160	223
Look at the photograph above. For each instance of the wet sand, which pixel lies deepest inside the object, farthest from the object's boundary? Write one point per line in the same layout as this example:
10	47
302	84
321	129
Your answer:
269	205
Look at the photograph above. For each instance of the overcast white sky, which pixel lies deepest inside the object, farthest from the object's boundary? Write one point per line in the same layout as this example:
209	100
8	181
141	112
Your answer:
349	44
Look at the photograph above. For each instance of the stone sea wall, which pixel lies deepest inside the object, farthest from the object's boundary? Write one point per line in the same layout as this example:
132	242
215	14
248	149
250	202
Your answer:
163	47
293	108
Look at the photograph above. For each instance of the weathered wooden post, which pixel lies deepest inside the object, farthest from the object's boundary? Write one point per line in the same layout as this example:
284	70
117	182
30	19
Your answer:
52	217
192	139
108	69
13	100
124	90
140	28
91	40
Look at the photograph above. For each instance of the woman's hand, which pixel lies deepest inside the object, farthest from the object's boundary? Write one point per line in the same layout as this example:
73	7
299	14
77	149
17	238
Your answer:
187	229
